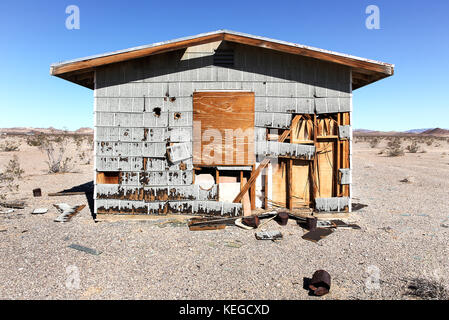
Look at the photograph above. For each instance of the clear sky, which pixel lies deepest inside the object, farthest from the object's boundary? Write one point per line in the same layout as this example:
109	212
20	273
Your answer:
413	35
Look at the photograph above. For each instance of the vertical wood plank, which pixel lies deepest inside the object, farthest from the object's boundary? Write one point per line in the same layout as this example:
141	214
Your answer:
253	193
289	184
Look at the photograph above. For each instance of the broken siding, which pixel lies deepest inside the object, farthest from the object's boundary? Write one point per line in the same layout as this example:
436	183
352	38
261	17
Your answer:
143	105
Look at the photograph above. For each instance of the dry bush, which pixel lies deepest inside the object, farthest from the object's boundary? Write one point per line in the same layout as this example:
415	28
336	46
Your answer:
429	289
10	176
9	146
394	148
55	148
413	148
374	142
429	142
36	140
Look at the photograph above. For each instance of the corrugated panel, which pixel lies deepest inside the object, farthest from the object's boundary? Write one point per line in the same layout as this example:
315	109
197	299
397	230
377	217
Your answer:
180	119
332	105
130	178
151	120
346	176
273	120
180	134
332	204
275	148
345	132
179	177
153	178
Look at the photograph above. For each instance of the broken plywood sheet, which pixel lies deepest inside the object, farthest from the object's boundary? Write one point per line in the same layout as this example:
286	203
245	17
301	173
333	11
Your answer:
324	174
228	191
223	128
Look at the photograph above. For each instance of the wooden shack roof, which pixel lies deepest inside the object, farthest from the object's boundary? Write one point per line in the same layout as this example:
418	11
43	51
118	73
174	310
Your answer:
81	71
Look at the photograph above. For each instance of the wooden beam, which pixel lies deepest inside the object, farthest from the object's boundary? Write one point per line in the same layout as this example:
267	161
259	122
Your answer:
289	184
254	174
265	187
314	168
138	53
252	193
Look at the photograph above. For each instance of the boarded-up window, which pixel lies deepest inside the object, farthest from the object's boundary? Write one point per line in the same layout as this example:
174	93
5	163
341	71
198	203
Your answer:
223	128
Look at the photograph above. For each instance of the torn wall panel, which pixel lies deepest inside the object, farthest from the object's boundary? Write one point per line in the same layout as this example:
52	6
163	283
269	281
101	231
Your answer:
332	204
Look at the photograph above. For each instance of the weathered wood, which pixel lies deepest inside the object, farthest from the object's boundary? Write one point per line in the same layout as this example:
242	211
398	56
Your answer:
61	194
252	179
265	188
252	191
289	184
223	126
108	177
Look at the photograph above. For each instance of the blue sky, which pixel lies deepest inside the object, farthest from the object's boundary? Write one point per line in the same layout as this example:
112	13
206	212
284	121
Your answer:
413	35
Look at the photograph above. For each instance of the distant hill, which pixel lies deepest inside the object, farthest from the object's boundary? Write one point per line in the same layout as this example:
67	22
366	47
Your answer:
417	130
412	132
436	132
50	130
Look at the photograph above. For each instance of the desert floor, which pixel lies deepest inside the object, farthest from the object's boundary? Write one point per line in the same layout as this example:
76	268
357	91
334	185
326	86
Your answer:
404	234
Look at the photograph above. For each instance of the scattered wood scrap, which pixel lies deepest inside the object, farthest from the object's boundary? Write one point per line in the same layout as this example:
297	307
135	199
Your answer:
13	204
317	234
60	194
67	212
269	235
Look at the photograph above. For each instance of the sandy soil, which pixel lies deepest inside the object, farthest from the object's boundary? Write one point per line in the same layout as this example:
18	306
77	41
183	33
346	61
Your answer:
404	234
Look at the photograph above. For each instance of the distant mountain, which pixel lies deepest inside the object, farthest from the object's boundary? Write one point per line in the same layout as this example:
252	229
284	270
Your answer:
417	130
412	132
50	130
436	132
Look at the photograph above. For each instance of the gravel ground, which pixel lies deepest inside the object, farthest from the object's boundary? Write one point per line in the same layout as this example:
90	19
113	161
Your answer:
402	235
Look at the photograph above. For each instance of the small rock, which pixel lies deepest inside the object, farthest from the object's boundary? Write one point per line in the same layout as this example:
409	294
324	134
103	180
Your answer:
409	179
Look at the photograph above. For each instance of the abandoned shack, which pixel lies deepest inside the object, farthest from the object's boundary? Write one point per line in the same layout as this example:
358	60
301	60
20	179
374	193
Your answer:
222	123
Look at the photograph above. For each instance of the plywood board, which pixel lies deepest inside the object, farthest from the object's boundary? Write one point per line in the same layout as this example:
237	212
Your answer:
301	185
302	131
325	163
279	178
245	200
107	177
228	191
223	126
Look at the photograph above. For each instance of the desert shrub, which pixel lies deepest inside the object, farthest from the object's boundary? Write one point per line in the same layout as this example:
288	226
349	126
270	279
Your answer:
374	142
429	142
10	176
429	289
56	149
9	146
36	140
413	148
84	157
394	148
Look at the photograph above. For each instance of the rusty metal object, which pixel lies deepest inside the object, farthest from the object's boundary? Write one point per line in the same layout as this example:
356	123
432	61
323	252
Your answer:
311	223
252	221
320	283
282	218
37	192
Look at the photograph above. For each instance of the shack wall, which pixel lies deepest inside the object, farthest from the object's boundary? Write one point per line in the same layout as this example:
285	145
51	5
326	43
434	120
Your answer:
140	106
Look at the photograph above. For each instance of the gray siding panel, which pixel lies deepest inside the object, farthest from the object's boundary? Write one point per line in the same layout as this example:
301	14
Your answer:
143	105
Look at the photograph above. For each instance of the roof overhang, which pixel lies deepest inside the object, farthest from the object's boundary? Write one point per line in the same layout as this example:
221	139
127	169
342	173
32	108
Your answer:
81	71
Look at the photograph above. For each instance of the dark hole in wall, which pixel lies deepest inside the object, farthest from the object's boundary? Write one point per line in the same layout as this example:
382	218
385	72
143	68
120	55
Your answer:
157	111
177	115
